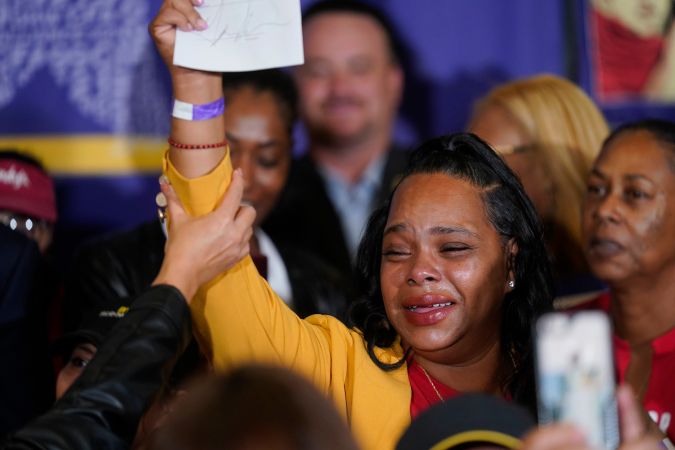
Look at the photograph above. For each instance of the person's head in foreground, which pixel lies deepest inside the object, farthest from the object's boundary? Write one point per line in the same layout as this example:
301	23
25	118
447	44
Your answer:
454	264
254	407
27	199
351	82
549	132
629	211
468	421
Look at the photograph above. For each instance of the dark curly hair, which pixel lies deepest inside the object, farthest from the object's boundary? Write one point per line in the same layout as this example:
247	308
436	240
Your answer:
510	211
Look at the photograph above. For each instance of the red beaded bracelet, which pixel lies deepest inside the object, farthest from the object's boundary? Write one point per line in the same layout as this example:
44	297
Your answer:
196	146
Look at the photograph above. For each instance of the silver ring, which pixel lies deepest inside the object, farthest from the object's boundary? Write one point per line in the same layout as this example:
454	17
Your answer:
161	213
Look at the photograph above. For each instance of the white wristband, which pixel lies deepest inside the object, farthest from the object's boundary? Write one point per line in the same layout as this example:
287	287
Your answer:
188	111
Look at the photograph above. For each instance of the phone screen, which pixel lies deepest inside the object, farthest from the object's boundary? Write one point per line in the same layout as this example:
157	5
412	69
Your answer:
575	375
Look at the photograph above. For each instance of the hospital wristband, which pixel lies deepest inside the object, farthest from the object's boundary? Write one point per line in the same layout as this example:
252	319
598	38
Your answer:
188	111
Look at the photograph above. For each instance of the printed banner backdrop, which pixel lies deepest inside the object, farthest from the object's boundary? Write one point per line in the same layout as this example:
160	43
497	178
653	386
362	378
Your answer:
82	88
626	57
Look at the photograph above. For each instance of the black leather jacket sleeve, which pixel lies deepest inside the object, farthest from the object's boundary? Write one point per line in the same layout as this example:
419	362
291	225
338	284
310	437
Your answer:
102	409
119	266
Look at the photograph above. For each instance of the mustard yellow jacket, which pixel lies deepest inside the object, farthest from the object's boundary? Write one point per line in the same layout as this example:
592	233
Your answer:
238	318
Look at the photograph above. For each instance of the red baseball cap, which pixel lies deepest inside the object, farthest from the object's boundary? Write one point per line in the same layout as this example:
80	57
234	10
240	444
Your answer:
27	190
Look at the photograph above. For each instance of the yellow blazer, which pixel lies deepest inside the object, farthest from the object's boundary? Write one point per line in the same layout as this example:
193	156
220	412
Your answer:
238	319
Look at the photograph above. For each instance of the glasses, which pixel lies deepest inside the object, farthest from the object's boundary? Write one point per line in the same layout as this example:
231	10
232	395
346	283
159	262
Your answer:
23	224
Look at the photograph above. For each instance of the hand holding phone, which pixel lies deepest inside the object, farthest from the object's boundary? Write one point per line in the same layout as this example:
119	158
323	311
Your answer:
564	436
575	375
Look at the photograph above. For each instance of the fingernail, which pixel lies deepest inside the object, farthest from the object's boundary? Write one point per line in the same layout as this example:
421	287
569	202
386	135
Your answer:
238	172
164	180
202	25
199	2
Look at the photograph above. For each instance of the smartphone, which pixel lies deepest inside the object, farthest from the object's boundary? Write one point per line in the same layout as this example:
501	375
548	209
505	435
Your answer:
575	374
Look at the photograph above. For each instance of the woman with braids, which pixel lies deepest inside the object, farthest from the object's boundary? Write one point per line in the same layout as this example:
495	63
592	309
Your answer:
453	268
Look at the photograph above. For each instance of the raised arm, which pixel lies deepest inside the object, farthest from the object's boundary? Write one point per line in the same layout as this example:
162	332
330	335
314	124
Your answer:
237	317
190	86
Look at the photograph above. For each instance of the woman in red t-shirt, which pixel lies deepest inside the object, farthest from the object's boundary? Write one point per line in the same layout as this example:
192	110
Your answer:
629	241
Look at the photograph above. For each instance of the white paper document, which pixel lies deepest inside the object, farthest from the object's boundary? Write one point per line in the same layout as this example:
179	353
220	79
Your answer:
243	35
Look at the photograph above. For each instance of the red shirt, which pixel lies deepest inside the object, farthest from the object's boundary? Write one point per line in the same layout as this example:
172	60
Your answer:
659	400
423	393
624	60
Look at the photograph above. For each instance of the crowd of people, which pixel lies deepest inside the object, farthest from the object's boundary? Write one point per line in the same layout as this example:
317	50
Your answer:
358	297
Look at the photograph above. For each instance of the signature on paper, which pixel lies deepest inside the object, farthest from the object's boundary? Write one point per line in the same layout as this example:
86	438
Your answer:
236	20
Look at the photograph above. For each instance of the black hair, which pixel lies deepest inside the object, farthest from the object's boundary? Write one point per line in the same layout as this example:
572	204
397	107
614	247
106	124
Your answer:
662	130
510	211
396	48
21	156
275	81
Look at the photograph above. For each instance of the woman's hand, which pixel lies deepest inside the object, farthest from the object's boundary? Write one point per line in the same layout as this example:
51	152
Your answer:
634	435
174	14
559	436
191	85
199	249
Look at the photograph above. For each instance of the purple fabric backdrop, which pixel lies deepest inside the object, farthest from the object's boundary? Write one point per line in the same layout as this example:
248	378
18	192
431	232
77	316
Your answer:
84	67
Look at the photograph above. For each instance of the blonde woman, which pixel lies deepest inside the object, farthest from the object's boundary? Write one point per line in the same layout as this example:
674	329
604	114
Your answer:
549	132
